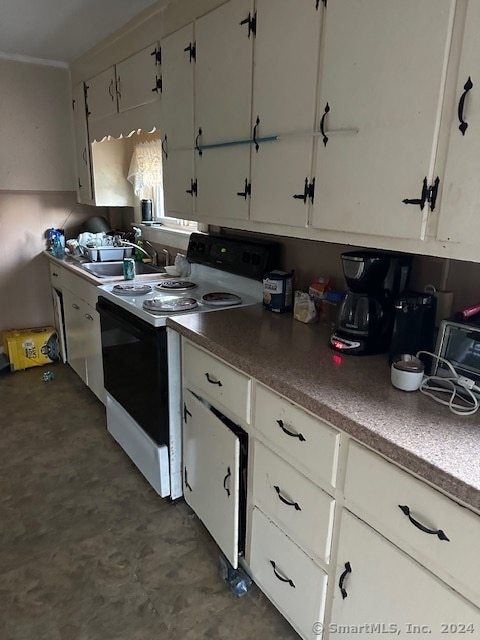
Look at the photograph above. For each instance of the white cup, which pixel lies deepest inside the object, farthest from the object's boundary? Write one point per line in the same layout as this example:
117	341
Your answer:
407	372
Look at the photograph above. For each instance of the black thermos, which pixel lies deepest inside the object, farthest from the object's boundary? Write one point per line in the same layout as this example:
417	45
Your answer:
146	210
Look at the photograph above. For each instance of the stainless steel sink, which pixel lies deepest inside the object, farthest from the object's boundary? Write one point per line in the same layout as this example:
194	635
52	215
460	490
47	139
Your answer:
112	269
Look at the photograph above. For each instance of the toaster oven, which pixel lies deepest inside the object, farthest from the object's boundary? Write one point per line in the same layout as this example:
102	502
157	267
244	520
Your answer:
459	343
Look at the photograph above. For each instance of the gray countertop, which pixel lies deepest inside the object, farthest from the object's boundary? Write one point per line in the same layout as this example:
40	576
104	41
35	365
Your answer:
354	393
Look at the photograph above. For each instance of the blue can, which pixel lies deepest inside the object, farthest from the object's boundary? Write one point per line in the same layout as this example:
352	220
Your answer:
129	268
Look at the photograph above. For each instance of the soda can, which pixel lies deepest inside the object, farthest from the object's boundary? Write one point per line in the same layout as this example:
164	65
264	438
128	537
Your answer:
129	268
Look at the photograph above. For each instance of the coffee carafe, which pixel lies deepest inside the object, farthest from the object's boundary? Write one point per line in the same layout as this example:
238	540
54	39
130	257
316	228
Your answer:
365	320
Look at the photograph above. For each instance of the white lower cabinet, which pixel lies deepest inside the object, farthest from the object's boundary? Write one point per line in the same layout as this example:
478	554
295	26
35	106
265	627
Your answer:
379	590
292	581
82	327
211	473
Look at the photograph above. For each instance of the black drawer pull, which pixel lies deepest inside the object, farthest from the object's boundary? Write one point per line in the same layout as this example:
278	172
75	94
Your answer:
226	482
281	578
438	532
461	105
285	501
212	381
290	433
348	569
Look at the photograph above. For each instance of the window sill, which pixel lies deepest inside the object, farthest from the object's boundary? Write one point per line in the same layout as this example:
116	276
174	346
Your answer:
169	236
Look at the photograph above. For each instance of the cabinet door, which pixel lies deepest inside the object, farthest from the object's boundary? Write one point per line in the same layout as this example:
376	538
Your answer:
75	333
137	79
459	220
383	76
279	172
177	81
285	72
102	95
223	73
211	454
223	178
82	146
381	587
93	350
178	182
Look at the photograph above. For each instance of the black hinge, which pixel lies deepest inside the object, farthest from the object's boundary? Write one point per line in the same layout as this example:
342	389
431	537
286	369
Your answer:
252	24
429	195
308	191
73	104
192	51
317	3
158	84
157	53
185	476
192	191
247	190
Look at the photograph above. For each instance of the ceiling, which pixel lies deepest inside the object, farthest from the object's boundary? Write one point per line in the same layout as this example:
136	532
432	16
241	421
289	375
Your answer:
61	30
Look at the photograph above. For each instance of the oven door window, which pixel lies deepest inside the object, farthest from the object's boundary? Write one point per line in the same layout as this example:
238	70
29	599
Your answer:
136	368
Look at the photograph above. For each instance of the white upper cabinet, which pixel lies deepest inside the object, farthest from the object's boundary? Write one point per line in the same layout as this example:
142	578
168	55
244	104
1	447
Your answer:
381	89
139	78
284	91
179	184
129	84
102	95
82	147
178	63
459	219
223	74
285	66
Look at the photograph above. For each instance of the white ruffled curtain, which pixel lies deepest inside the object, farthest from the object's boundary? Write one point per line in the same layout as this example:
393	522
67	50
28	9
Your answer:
146	167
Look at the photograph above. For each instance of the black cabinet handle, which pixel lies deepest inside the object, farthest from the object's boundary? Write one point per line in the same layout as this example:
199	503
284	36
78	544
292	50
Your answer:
322	124
461	105
212	381
257	146
419	525
290	433
197	148
158	84
247	190
285	501
225	481
186	413
164	146
281	578
110	90
348	569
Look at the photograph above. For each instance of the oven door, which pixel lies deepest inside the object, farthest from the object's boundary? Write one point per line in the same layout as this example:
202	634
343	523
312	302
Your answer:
135	368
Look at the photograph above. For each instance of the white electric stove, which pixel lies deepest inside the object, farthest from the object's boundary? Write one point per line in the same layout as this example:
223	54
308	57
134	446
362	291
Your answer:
142	356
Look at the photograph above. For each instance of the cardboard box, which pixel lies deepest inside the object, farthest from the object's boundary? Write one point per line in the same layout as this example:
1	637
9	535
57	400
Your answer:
31	347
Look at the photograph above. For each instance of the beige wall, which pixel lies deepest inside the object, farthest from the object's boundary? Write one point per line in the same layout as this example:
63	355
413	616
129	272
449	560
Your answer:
36	116
36	186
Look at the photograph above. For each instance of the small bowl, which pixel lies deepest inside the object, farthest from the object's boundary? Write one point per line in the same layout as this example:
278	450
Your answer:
172	270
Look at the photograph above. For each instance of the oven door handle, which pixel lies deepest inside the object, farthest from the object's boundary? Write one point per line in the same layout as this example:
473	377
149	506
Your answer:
128	321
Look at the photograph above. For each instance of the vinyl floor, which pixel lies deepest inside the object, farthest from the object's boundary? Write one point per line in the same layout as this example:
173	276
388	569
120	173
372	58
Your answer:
88	551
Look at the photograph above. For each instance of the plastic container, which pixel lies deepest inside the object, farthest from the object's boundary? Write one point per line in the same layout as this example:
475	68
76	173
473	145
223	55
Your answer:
31	347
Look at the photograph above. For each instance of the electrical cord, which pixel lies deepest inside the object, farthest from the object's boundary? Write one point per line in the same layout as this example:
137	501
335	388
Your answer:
432	385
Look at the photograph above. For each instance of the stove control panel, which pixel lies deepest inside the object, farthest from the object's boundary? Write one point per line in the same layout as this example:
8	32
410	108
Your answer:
235	255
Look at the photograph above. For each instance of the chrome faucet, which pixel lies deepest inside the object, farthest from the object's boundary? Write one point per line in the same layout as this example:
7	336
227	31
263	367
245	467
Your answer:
167	257
154	254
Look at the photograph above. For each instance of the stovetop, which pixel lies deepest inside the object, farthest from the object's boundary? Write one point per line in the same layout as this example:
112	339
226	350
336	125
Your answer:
207	279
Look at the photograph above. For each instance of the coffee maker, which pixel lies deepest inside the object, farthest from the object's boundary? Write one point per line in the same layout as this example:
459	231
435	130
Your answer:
365	320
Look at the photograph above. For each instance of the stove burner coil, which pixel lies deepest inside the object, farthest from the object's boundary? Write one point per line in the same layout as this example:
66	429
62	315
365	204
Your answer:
221	299
175	285
173	305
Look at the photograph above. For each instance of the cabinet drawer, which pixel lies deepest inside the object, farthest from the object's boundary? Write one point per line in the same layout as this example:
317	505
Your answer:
217	381
308	443
80	287
299	507
292	581
56	275
376	489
